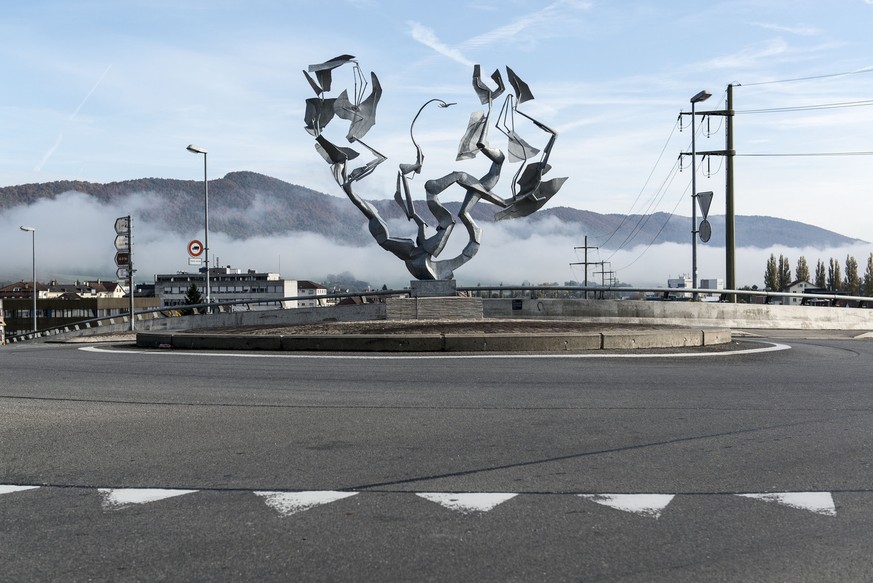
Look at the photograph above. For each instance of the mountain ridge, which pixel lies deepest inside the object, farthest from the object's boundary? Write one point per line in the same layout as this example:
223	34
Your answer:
246	204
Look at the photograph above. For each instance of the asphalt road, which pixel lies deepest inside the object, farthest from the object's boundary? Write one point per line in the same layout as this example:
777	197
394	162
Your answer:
131	465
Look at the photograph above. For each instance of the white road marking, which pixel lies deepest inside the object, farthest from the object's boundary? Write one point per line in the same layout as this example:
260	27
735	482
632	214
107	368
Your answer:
4	489
648	505
288	503
469	502
773	347
818	502
118	498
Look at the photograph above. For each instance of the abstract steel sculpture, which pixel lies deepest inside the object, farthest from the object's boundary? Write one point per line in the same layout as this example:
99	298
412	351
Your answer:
529	192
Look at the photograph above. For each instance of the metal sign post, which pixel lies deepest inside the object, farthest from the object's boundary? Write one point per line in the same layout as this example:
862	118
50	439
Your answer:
704	230
124	258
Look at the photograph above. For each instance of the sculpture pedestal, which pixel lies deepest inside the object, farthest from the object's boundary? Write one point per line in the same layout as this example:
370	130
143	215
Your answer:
434	300
433	288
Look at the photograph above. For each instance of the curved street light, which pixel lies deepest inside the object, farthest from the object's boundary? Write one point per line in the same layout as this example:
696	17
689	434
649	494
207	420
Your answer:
700	96
198	150
32	232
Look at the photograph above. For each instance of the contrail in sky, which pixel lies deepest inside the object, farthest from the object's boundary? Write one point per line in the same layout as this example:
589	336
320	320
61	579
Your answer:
93	89
73	115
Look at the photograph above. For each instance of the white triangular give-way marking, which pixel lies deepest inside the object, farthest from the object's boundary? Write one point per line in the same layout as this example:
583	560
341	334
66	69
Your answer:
465	503
649	505
10	489
118	498
818	502
288	503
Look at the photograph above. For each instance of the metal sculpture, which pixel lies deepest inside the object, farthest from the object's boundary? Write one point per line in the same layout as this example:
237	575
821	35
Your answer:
529	192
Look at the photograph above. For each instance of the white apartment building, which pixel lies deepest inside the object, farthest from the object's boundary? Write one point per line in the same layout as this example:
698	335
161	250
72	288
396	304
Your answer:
311	291
798	287
228	285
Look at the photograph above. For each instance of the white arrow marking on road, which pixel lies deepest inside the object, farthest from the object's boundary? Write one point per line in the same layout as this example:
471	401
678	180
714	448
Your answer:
10	489
466	503
288	503
118	498
818	502
648	505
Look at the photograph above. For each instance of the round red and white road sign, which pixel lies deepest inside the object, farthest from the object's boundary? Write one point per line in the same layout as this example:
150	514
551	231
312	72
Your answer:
195	248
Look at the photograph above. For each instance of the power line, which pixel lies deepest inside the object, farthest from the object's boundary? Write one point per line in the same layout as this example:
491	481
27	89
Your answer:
763	155
645	216
645	185
811	78
658	234
864	103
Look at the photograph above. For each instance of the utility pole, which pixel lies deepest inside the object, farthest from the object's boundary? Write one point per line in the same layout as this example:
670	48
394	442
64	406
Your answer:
604	276
729	153
730	242
585	263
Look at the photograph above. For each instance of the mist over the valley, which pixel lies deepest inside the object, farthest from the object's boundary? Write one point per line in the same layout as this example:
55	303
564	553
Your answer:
75	240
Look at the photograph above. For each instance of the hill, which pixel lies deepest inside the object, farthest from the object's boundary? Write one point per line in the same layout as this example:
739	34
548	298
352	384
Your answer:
246	204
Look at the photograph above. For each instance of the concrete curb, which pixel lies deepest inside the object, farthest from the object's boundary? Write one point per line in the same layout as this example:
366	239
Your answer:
479	342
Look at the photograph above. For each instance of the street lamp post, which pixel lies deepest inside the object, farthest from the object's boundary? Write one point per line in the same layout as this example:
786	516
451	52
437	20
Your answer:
32	232
199	150
701	96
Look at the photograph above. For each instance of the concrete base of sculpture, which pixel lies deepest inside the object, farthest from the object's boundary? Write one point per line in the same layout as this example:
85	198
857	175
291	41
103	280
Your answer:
433	288
434	308
434	300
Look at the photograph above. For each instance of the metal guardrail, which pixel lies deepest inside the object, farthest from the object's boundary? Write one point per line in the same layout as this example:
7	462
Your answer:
664	293
186	310
659	293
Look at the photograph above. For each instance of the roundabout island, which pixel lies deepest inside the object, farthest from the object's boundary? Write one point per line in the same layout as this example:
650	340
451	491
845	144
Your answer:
440	335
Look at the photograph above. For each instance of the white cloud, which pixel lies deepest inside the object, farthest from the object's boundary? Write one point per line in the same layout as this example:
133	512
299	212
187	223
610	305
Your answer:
800	29
552	15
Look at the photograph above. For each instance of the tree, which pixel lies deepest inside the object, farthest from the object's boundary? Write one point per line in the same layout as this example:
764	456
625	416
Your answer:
783	275
835	277
192	298
801	272
771	274
852	282
820	278
868	278
743	298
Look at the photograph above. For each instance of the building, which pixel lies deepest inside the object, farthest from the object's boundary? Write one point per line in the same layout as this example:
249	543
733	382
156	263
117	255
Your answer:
264	290
86	289
681	282
684	282
311	290
23	289
63	310
713	284
801	287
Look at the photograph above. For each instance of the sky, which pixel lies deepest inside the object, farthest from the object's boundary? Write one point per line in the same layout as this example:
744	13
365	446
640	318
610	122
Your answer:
105	91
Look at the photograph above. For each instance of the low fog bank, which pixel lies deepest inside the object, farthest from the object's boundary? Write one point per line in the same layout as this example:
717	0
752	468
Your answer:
75	240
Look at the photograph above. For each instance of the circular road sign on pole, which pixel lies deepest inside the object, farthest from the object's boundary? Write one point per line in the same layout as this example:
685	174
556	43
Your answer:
195	248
